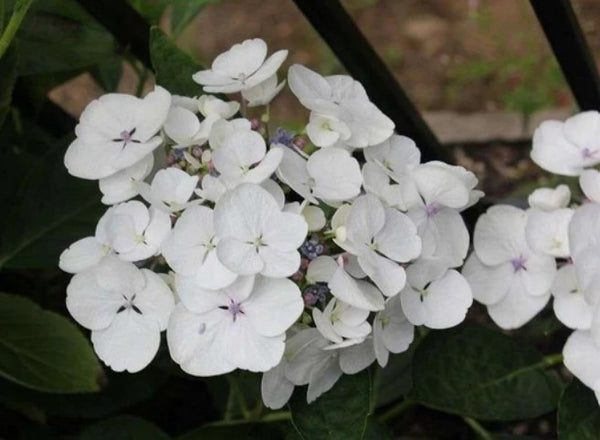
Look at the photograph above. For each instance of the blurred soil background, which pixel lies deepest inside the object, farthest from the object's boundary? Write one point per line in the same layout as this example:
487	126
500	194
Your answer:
481	71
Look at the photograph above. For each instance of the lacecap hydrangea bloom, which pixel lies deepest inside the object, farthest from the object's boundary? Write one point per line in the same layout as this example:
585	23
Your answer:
524	257
280	254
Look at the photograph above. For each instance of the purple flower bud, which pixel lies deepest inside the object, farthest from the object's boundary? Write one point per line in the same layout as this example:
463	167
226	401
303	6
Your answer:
315	293
283	137
312	248
254	123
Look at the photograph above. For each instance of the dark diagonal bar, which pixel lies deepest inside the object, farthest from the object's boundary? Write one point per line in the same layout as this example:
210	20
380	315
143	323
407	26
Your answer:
131	30
571	50
345	39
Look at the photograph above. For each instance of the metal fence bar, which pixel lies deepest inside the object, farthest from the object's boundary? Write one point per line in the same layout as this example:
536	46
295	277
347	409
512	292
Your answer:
345	39
568	43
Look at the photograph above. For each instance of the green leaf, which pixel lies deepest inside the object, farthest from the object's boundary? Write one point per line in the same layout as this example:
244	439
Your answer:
395	380
478	372
151	10
184	12
173	67
234	431
8	77
123	428
578	413
122	391
43	350
108	73
49	210
339	414
60	35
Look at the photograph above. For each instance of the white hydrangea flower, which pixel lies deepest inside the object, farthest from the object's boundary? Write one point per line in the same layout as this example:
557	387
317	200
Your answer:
213	108
133	231
589	180
243	157
329	174
325	131
567	148
170	190
584	243
255	235
241	67
548	232
222	128
240	326
548	199
582	358
342	324
264	92
191	249
570	306
342	99
115	132
83	254
125	308
392	331
396	156
123	185
381	237
504	273
377	182
436	302
185	129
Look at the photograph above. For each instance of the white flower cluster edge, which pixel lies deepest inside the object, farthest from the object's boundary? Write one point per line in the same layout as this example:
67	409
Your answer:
273	255
524	257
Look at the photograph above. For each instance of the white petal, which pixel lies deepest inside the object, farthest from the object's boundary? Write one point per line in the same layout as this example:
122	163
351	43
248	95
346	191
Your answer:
570	305
441	186
357	293
548	199
589	180
548	232
500	234
278	263
489	284
582	357
517	307
386	274
553	152
155	300
275	388
321	269
122	186
398	239
336	174
81	255
357	357
129	343
239	257
273	306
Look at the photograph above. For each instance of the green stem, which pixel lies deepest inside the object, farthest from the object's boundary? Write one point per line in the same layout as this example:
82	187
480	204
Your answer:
478	429
276	416
235	396
553	359
21	8
396	410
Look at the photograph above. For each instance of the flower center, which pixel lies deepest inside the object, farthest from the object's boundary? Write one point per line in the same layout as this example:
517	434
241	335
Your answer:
432	209
518	263
234	308
587	153
128	304
126	137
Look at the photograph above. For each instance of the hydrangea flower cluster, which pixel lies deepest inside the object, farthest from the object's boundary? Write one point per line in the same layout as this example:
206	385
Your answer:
279	254
523	257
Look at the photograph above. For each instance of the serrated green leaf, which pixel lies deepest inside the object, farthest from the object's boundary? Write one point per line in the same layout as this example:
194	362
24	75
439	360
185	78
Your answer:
173	67
578	413
339	414
123	428
478	372
42	350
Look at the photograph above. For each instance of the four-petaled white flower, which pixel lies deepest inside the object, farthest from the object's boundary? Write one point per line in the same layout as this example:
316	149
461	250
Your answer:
255	235
191	249
392	331
116	131
567	148
133	231
240	326
505	274
241	67
125	308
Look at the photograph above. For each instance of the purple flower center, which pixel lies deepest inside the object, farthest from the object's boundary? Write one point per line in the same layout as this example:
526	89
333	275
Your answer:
587	153
126	137
235	309
518	264
432	209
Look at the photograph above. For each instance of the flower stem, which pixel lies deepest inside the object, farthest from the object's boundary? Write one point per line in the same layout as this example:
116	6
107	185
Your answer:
21	8
553	359
481	432
276	416
396	410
